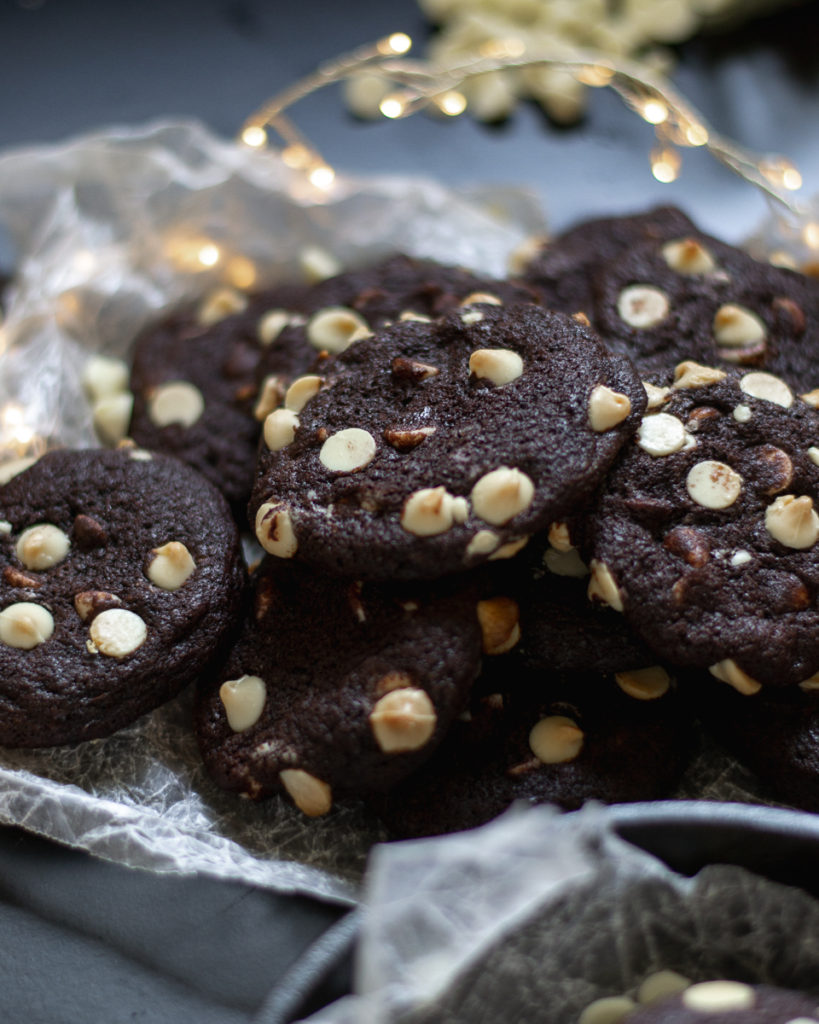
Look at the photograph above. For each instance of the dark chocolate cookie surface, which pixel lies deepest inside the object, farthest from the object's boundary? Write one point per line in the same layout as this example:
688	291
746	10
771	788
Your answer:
730	1002
337	685
705	536
121	575
431	447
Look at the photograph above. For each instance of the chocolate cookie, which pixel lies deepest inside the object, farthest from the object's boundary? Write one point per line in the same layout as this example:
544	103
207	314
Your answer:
563	268
194	383
690	296
121	575
705	535
563	739
337	685
730	1002
432	447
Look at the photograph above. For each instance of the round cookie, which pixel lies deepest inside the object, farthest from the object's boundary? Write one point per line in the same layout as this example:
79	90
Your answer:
563	739
194	383
705	535
563	268
730	1002
431	447
690	296
337	685
120	577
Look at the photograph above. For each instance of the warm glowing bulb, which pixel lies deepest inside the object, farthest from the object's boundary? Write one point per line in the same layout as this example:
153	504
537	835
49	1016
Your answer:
782	173
391	106
12	415
398	42
209	255
241	272
810	235
595	75
665	165
254	136
654	111
322	176
791	179
696	135
451	103
296	156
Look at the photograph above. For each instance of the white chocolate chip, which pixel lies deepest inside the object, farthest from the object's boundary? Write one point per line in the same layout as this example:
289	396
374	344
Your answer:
719	997
688	256
301	391
644	683
139	455
312	796
501	495
111	417
713	484
243	700
811	398
556	739
271	325
472	316
642	305
498	365
335	328
741	557
565	563
25	625
661	985
727	671
40	547
270	396
176	402
280	429
559	537
103	376
317	264
9	470
608	1010
661	434
117	632
523	253
171	565
602	586
792	521
219	304
656	396
89	603
813	455
767	387
274	529
607	408
348	450
689	374
403	719
5	527
430	511
499	619
737	327
414	317
487	298
742	413
483	543
510	549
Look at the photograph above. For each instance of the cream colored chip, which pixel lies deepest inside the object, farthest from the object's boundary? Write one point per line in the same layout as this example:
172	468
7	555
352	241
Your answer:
498	365
656	396
813	455
644	683
602	586
556	739
608	1010
270	397
499	619
642	305
274	529
487	298
9	470
727	671
219	304
742	413
111	417
740	558
139	455
793	521
103	376
335	328
403	719
312	796
431	511
89	602
301	391
811	398
767	387
117	632
661	434
243	700
484	542
688	256
411	315
661	985
510	549
25	625
40	547
523	253
689	374
171	565
607	408
559	537
5	527
471	316
177	401
271	324
737	327
713	484
502	494
280	429
719	997
565	563
348	450
317	264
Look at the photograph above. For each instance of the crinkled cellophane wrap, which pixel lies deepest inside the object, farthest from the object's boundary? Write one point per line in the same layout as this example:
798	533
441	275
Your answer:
107	231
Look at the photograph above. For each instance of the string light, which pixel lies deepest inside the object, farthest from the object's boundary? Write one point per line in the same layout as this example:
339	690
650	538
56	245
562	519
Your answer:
254	136
209	255
392	107
322	176
665	164
451	103
398	43
810	235
654	111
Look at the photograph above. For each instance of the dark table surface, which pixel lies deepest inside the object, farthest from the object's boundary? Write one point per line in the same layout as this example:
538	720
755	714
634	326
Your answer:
86	941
